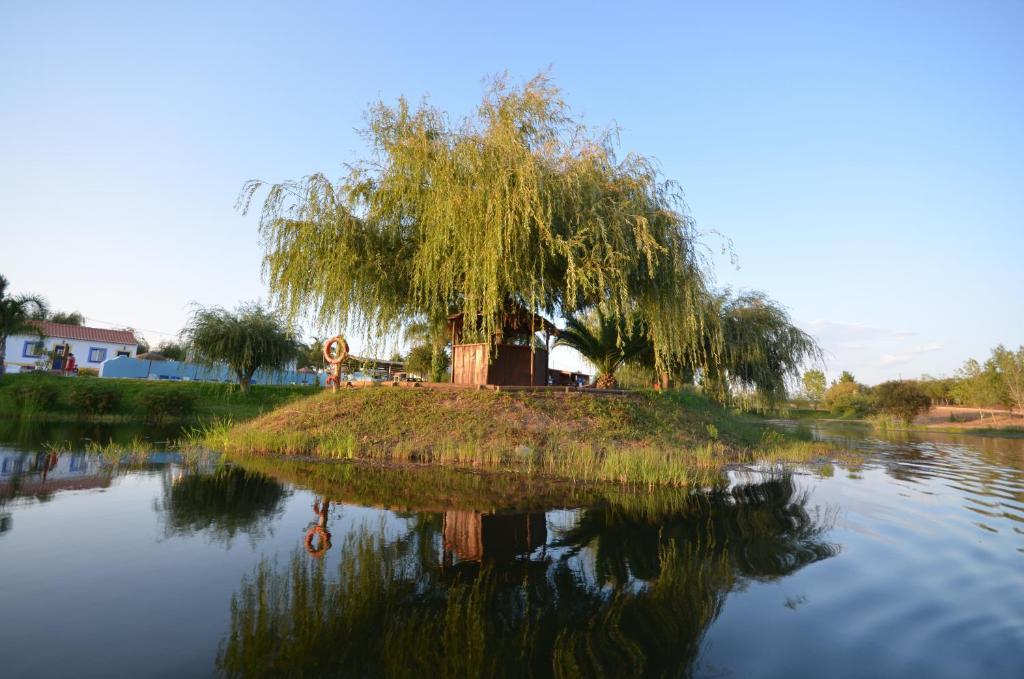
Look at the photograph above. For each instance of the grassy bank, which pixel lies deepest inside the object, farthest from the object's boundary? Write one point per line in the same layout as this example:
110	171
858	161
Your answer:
49	397
676	439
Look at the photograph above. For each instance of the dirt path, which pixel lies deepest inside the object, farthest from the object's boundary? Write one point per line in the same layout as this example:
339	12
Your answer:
969	418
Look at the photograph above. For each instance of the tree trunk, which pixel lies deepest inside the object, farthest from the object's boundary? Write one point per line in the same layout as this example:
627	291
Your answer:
3	355
606	381
244	382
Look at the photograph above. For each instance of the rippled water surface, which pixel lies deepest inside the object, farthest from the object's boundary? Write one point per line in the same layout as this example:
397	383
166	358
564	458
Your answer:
150	563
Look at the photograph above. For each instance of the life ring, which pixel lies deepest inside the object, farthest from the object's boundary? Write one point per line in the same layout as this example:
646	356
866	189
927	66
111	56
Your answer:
325	541
342	350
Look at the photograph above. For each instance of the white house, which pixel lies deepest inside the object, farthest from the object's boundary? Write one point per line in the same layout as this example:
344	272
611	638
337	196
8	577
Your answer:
90	346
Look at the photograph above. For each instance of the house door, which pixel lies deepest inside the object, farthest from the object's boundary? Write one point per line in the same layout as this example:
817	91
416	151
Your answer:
59	352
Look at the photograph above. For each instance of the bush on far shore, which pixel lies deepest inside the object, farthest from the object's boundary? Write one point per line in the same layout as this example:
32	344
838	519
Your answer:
849	399
901	400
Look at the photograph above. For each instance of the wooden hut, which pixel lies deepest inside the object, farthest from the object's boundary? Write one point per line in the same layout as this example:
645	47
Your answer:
511	363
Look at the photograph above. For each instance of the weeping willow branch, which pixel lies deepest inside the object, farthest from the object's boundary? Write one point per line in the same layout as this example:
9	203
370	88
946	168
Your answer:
517	204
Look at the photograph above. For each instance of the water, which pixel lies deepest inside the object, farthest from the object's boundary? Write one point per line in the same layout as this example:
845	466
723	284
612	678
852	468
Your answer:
159	564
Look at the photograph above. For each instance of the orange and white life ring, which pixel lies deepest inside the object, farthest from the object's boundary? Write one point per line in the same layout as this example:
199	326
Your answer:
335	350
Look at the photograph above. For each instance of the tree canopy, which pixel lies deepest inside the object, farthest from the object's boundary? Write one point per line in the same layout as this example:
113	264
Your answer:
516	204
247	339
16	312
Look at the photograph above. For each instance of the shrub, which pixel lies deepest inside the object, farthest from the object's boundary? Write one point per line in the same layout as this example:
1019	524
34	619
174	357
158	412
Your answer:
88	372
849	399
94	397
901	400
35	393
160	401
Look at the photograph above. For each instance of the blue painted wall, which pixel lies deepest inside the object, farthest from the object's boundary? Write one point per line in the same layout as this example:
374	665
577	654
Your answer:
180	370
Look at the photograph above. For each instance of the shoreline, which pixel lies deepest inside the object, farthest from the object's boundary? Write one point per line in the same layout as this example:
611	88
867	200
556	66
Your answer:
675	439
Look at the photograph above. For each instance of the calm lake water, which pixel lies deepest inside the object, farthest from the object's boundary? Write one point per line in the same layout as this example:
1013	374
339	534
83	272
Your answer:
157	564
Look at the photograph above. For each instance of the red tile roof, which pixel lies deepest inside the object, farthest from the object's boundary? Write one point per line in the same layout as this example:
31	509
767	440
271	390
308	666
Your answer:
85	334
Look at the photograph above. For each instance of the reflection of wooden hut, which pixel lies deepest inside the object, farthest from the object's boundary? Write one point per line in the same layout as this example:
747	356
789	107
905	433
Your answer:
512	363
473	536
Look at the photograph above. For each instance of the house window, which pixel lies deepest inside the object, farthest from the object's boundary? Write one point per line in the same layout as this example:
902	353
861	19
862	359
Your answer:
32	349
126	354
97	355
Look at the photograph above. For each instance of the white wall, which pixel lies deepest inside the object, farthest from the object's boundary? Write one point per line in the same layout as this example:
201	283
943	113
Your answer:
15	360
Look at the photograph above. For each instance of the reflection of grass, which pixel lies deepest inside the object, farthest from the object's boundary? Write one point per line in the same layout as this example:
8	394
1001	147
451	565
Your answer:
675	439
395	607
379	619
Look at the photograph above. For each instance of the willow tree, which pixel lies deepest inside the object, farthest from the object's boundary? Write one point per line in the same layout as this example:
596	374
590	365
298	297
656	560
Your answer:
246	340
761	348
516	204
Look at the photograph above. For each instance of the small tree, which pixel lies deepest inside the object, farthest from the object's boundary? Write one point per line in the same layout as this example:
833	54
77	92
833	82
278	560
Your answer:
847	378
311	354
814	385
1010	365
420	360
247	339
848	399
67	317
175	351
901	400
16	314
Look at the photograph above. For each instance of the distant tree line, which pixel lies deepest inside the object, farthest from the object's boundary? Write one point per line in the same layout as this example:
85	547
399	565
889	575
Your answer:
996	383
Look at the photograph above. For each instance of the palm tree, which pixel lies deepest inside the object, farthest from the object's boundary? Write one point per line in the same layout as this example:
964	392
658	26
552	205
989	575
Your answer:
606	342
16	313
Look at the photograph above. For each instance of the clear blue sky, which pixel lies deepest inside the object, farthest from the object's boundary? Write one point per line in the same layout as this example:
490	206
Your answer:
866	158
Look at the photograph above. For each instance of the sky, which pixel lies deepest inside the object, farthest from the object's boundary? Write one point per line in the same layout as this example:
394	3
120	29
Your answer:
865	159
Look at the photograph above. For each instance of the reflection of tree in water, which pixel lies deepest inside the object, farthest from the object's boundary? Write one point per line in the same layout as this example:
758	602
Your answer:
764	528
227	501
389	613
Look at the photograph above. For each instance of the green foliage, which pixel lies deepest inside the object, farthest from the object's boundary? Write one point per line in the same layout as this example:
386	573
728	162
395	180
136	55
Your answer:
761	349
516	204
94	397
16	314
849	399
247	339
420	360
1010	365
980	385
175	351
166	401
36	393
902	400
606	342
88	372
646	438
847	378
66	317
41	396
814	385
939	390
657	579
311	354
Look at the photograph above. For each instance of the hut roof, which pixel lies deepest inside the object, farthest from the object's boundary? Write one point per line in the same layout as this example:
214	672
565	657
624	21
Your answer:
515	321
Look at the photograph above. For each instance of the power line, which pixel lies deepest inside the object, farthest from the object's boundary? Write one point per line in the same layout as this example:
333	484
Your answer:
133	327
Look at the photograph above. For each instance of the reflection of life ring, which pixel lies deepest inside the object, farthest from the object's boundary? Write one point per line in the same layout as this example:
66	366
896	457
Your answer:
325	541
335	350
